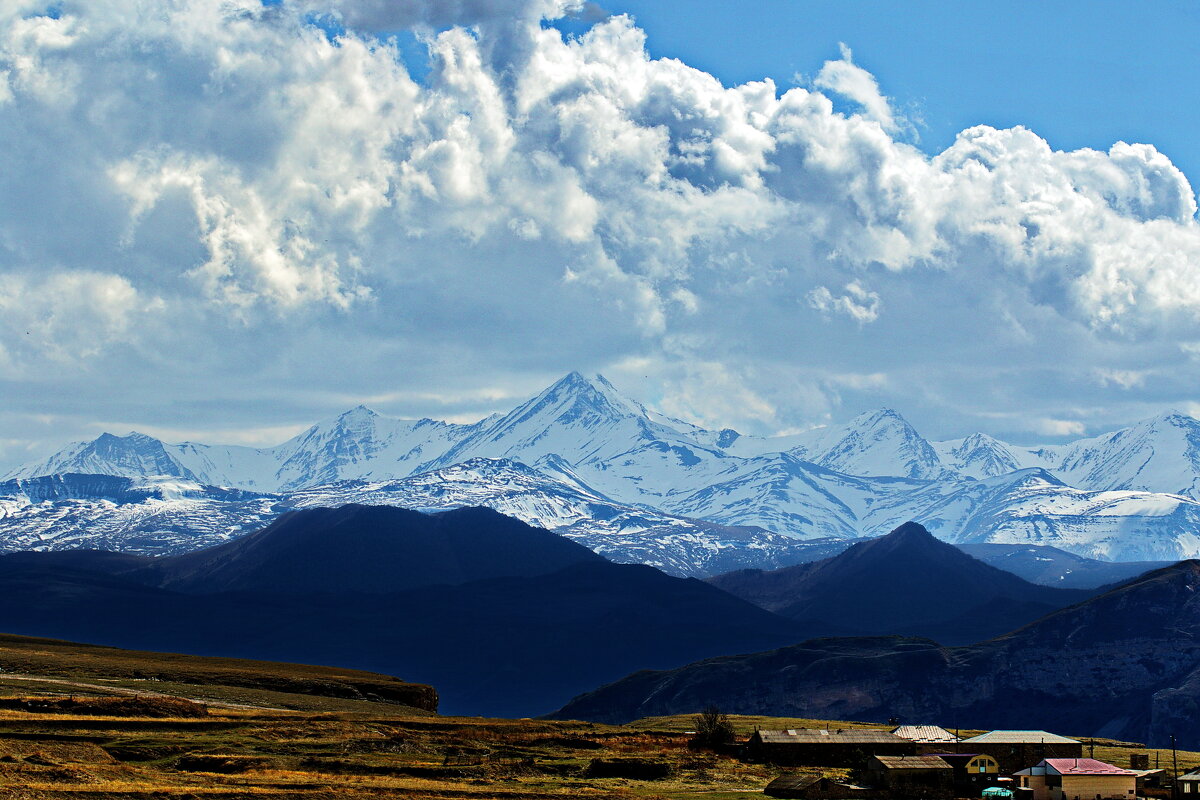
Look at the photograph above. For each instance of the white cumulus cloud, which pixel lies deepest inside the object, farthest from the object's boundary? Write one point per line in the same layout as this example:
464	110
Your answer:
239	184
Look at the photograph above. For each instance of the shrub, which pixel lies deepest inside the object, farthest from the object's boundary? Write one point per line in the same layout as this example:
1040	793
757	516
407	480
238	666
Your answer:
713	729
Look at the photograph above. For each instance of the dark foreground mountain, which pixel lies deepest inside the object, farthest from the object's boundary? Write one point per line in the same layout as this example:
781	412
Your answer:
906	583
503	619
373	549
1125	664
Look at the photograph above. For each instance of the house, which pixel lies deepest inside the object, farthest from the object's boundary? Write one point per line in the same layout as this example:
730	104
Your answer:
927	738
1014	750
912	776
1152	783
811	787
973	772
819	747
1078	779
1189	783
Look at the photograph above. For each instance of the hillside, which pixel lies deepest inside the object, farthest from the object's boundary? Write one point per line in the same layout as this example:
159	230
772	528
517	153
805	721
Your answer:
73	668
375	549
905	583
491	635
1122	664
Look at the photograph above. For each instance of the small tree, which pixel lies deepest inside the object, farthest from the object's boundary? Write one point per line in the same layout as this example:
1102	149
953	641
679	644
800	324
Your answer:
713	729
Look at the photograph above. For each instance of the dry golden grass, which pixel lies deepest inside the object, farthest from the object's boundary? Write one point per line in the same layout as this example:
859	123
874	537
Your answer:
350	749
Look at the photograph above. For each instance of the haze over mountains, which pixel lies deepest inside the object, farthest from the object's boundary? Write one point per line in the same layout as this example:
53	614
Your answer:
587	462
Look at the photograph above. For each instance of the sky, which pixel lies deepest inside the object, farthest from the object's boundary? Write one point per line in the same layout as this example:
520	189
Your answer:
223	220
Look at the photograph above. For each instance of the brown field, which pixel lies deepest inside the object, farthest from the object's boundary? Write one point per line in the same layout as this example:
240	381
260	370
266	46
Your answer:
81	723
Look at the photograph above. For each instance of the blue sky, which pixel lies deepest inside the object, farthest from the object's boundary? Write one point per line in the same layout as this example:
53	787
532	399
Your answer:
1081	74
222	220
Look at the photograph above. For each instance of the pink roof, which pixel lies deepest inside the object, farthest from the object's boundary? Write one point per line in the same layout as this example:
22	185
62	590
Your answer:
1084	766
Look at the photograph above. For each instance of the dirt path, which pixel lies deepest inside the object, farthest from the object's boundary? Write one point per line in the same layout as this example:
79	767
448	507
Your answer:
9	676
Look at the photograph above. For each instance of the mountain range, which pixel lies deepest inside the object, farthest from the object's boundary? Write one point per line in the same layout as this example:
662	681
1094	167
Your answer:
1122	665
583	460
500	617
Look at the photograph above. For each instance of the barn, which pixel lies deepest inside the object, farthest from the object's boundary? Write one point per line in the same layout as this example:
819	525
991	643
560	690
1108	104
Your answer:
821	747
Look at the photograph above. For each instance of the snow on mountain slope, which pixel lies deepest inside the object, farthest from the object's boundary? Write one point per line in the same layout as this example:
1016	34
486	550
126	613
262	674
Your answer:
133	455
859	479
1032	506
363	444
358	443
877	443
982	456
674	544
156	517
582	421
1161	454
152	517
784	493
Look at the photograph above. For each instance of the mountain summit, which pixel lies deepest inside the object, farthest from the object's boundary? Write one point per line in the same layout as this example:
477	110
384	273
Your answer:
1131	494
906	582
875	443
577	419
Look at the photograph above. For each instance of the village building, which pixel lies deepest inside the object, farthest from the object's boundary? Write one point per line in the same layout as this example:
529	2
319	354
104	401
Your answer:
1152	783
1014	750
819	747
1189	783
973	772
912	776
928	738
811	787
1078	779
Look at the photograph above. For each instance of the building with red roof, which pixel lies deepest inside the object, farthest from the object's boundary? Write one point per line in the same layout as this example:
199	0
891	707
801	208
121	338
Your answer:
1078	779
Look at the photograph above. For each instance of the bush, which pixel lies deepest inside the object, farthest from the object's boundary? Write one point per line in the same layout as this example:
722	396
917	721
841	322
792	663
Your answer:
713	729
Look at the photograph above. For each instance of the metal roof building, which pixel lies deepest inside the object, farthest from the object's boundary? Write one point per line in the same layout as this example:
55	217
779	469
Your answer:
846	747
911	762
1020	737
1061	778
926	734
1015	750
825	736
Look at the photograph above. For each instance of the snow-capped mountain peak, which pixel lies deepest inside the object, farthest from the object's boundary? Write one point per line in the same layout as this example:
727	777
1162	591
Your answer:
875	443
978	455
1159	454
577	418
134	454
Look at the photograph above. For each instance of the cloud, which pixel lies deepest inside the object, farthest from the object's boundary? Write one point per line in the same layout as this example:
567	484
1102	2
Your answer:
851	81
66	318
858	303
1059	427
1123	378
240	186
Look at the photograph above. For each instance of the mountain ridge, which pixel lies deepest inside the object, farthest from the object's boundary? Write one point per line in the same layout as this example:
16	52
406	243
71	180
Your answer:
1122	664
1109	497
899	584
